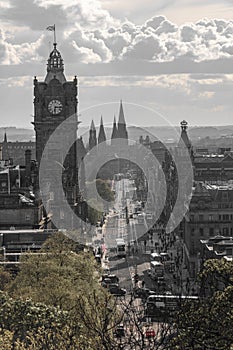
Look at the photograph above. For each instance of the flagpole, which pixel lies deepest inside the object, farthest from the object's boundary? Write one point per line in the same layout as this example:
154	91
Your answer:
54	33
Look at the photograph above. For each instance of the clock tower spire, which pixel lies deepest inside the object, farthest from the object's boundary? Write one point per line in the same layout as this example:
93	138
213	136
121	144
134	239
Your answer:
55	66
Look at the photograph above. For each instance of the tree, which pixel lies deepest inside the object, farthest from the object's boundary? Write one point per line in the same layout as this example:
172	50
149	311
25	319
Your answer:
28	325
66	278
96	207
5	278
208	325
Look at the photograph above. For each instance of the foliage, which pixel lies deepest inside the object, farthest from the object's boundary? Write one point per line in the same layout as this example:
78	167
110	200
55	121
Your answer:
5	278
96	206
94	215
28	325
215	275
209	324
66	278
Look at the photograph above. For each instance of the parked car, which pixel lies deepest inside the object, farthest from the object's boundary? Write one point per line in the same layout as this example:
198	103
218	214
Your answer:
116	290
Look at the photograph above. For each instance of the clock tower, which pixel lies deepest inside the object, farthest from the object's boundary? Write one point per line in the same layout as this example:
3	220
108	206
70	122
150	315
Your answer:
55	100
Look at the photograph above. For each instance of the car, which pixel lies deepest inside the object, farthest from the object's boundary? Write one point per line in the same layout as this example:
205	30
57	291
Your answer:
107	282
113	278
116	290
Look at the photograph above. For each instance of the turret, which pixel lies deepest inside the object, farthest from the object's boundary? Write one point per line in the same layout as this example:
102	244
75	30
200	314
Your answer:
55	66
184	139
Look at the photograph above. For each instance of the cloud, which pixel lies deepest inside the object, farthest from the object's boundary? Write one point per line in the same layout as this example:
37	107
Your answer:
115	45
187	33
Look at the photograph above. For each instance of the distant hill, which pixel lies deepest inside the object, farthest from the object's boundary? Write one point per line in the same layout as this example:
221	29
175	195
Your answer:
164	133
17	134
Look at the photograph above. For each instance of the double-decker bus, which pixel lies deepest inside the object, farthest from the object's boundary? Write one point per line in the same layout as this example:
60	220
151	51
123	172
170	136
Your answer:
164	306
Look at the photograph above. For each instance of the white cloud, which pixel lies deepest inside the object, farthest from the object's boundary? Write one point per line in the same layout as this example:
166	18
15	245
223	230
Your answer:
91	35
188	33
85	54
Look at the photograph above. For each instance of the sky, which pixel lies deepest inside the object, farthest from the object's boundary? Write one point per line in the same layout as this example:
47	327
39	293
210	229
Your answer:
168	60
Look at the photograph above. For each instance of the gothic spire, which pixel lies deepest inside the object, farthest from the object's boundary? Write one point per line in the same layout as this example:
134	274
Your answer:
122	132
102	135
5	137
92	125
121	115
92	136
114	130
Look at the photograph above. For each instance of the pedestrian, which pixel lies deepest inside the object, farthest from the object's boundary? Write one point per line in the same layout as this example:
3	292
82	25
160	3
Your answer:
143	283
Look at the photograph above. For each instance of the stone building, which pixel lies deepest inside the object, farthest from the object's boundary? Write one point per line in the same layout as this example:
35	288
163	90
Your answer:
56	102
210	214
15	151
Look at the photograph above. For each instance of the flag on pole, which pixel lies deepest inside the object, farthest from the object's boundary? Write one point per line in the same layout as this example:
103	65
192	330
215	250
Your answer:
51	28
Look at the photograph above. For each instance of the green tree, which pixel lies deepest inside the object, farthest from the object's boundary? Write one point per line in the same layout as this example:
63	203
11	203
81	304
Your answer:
208	325
5	278
66	278
96	207
28	325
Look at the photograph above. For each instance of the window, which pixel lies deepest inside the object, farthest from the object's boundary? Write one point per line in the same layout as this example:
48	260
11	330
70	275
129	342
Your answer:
225	231
211	231
220	217
201	217
201	231
211	217
192	231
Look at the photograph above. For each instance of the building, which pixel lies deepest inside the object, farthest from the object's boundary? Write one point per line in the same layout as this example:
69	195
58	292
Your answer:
213	167
55	102
217	247
210	214
15	151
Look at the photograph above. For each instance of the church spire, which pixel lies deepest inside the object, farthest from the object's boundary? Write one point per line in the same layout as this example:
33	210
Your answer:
122	132
121	115
92	136
101	136
5	137
114	131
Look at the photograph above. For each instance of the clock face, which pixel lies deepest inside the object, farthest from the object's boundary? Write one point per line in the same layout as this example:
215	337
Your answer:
55	106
